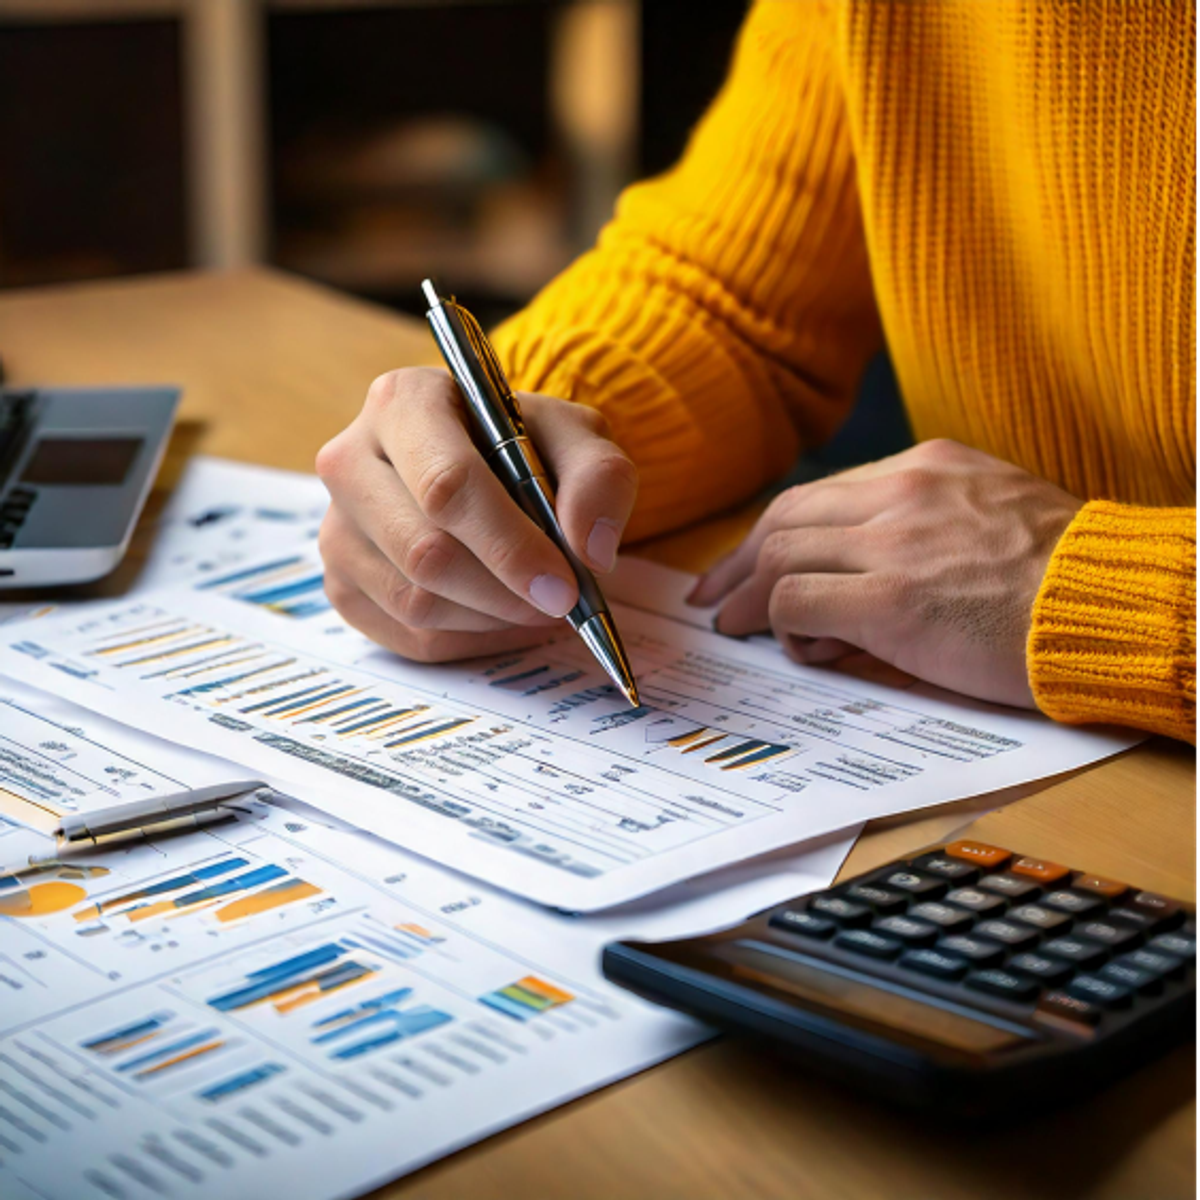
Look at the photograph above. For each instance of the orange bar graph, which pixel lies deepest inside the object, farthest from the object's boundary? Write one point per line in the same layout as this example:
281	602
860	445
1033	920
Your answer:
309	992
171	1062
539	987
273	897
190	648
304	707
153	640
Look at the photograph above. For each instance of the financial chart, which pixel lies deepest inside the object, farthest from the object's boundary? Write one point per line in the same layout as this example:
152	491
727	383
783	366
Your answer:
230	1004
528	769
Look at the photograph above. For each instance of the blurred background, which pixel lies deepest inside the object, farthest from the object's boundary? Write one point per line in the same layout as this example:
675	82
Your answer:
361	143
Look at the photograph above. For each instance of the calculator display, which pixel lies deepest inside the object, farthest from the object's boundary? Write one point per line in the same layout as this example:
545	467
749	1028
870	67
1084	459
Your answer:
81	462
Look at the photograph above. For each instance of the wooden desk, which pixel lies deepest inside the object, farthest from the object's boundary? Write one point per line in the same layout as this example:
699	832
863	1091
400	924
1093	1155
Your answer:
272	367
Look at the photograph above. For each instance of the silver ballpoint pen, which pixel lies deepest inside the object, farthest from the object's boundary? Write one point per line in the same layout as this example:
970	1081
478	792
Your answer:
513	457
138	819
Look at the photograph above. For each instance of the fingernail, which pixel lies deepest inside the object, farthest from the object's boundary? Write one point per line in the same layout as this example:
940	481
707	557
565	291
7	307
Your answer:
602	544
552	595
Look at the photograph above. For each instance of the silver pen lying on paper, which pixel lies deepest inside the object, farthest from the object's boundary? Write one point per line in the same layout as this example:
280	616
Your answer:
150	818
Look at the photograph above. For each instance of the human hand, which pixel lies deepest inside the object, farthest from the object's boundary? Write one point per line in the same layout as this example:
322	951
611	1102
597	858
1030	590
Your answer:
930	560
424	550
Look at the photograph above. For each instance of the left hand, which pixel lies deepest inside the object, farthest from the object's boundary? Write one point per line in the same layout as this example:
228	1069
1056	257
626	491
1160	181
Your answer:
930	560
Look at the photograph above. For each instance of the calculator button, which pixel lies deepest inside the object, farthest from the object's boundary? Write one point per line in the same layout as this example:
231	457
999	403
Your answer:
975	950
1177	944
1166	966
1078	904
910	932
1008	933
882	900
976	901
1166	913
1133	978
1005	984
983	855
925	887
1115	935
1108	889
1035	868
1102	992
1048	971
1044	919
1069	1008
804	923
1010	886
866	941
953	869
945	916
1080	953
936	963
844	912
23	494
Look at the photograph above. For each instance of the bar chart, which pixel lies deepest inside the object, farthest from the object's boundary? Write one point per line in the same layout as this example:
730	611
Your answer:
290	586
165	1050
230	889
526	998
527	769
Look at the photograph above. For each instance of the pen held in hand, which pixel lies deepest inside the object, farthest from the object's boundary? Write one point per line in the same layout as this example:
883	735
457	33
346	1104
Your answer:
514	459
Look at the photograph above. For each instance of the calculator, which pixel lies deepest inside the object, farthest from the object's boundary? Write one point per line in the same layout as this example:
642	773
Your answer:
971	978
76	466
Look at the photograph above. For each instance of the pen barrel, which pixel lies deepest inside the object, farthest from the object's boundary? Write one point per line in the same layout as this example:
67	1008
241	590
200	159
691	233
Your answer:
113	835
519	467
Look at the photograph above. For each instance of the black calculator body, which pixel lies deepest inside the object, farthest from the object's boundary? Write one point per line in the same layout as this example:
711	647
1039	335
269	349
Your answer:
970	979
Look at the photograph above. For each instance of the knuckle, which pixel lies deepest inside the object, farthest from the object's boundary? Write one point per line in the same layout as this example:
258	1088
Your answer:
774	552
593	420
615	469
441	486
505	554
915	483
786	600
783	509
940	450
331	458
392	595
416	607
383	389
428	556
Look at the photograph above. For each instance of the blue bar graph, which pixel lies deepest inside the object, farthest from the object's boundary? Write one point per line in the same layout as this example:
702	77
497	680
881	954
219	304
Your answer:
239	1083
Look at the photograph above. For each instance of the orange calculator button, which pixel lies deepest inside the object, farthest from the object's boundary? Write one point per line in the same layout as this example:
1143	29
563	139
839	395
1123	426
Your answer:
979	852
1110	889
1035	868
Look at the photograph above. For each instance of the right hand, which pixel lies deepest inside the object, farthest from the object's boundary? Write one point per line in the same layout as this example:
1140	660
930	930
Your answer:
426	553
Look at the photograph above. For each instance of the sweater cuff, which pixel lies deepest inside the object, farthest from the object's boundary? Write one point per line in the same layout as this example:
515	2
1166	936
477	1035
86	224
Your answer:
1113	636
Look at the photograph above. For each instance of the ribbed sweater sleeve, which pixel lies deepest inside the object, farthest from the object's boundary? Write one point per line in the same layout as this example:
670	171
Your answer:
725	316
1113	636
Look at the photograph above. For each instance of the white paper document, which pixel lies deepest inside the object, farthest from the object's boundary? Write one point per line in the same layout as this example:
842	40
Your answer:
528	770
220	515
281	1003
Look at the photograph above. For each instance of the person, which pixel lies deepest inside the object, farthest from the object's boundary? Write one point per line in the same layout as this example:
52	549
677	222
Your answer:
1006	191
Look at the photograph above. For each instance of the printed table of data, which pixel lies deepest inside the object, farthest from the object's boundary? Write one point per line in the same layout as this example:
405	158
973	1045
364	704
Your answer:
529	769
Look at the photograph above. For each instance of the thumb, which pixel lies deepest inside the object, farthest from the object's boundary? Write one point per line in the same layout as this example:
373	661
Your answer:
596	481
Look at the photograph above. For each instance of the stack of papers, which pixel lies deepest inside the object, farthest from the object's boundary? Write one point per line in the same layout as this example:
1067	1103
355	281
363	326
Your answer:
391	950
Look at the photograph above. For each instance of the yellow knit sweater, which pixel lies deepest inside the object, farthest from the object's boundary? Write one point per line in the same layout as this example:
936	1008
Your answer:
1006	190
